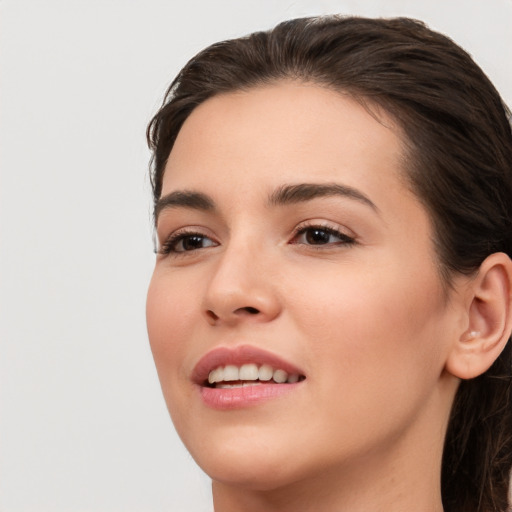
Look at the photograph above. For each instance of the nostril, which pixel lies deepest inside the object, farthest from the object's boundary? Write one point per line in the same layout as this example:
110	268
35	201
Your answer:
212	315
251	310
237	313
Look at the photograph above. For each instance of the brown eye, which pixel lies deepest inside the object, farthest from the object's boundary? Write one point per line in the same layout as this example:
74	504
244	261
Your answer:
187	242
318	235
191	242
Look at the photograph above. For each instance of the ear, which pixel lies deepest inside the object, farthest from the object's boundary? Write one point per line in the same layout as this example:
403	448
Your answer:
489	313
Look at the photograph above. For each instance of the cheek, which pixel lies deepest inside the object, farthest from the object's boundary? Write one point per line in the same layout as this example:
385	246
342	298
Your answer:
167	317
170	323
372	328
375	356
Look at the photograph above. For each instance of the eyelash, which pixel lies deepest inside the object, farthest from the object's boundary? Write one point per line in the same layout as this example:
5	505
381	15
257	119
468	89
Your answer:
344	239
169	246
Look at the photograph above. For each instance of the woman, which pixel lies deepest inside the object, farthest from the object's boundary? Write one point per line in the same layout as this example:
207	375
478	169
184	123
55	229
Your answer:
330	310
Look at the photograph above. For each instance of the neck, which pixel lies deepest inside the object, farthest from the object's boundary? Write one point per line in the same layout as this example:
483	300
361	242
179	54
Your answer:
383	490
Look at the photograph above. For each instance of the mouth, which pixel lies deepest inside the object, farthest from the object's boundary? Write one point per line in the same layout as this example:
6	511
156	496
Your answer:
250	374
244	375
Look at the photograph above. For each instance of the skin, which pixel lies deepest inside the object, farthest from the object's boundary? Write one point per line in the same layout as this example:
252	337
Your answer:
369	323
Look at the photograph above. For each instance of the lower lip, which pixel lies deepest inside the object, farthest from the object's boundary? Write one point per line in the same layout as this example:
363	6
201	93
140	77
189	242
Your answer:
238	398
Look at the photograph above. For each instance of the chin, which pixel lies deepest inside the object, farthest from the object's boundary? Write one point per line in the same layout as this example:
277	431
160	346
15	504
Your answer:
247	465
264	476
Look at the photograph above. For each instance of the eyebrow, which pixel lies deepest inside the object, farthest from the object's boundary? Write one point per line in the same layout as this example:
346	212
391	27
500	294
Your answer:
184	199
284	195
292	194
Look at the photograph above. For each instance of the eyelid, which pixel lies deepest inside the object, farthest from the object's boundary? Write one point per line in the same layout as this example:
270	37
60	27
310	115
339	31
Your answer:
331	228
177	235
165	247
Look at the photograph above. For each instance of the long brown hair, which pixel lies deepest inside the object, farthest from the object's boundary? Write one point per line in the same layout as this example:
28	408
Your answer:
459	161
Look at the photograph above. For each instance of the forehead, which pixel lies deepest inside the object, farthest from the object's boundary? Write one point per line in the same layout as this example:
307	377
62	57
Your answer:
285	131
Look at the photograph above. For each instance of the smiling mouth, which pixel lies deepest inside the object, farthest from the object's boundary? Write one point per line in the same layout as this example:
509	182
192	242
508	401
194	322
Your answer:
232	376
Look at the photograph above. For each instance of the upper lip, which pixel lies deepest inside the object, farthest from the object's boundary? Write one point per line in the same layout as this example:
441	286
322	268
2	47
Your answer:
238	356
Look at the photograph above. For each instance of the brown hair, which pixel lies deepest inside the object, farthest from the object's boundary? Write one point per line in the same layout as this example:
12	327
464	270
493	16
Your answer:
459	162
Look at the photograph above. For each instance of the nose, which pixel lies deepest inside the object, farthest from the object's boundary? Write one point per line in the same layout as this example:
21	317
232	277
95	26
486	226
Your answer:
242	288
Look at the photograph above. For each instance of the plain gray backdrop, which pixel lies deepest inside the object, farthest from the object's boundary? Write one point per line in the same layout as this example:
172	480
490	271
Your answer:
83	425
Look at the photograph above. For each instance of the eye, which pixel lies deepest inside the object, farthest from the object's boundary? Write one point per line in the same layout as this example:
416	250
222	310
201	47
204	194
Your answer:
321	235
186	242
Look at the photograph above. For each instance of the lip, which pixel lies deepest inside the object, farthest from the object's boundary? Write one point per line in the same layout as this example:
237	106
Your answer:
236	398
243	354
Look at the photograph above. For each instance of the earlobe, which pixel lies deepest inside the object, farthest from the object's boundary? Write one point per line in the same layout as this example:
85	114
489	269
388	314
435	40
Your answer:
489	313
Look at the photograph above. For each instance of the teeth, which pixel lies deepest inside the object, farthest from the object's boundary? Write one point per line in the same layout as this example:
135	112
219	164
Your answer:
255	383
238	385
229	386
250	374
280	376
231	373
265	372
216	375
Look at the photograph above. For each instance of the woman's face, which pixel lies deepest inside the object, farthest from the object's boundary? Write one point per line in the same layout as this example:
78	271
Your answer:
290	241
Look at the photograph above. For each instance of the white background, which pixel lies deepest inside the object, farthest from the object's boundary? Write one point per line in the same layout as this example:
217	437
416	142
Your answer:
83	425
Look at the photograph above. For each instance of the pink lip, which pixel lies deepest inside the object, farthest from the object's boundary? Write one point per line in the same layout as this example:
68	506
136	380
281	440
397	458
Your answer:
242	354
235	398
239	398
